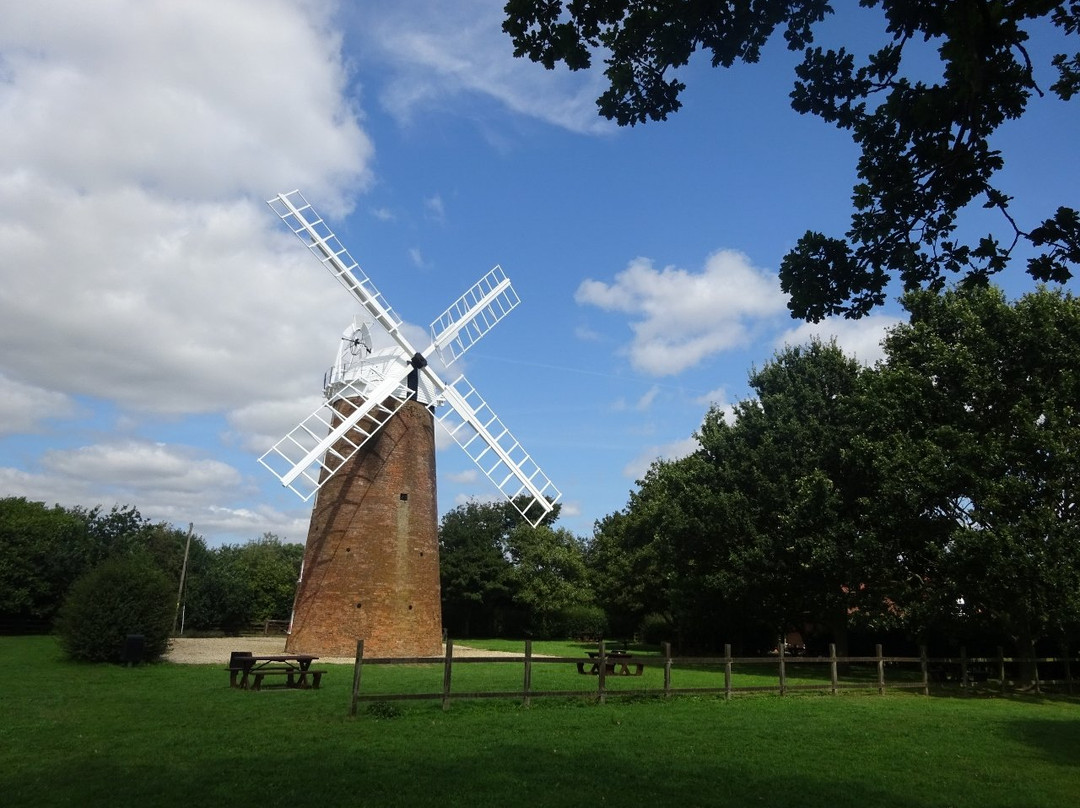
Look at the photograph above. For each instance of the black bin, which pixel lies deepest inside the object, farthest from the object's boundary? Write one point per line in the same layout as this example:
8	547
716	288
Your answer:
134	648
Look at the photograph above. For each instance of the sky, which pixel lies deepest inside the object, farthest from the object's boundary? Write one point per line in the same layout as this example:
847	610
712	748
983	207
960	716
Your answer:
160	328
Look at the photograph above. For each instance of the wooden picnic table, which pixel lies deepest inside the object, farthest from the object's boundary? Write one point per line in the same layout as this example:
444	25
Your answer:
615	664
247	670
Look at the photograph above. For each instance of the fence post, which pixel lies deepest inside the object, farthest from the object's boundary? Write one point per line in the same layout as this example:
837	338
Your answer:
783	671
924	663
357	667
601	675
1001	667
964	683
832	669
880	670
447	665
727	671
528	672
667	669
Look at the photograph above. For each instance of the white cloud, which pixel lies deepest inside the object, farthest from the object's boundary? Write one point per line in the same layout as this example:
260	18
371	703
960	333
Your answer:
193	100
218	523
570	509
465	477
482	499
718	398
435	207
586	334
166	482
683	317
161	307
141	466
134	157
441	51
636	468
244	524
443	439
138	140
260	424
25	407
860	339
646	401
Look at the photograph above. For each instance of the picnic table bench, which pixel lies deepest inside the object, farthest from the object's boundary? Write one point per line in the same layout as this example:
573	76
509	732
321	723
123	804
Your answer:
247	670
615	664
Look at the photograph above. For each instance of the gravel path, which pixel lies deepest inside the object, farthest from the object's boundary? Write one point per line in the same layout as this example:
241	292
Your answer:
216	650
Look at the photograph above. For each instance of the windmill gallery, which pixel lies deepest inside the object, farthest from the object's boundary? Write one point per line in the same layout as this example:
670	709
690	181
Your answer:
367	456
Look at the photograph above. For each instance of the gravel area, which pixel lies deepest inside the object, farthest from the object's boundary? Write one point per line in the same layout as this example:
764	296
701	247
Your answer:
216	650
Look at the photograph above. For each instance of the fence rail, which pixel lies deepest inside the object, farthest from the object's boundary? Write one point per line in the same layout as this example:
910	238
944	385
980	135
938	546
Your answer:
963	670
265	628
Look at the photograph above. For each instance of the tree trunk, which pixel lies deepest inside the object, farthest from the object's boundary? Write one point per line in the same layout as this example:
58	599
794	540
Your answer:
1027	668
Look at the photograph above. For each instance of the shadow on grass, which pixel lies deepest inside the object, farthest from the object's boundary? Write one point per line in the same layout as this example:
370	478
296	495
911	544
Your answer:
475	774
1057	742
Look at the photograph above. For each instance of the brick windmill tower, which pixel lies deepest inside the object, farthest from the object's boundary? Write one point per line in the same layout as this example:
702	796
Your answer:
367	455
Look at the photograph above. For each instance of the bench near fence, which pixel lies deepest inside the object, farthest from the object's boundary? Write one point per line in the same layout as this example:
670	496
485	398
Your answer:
963	670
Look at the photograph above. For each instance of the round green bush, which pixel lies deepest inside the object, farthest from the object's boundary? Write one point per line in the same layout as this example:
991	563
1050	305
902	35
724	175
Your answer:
122	597
579	621
655	629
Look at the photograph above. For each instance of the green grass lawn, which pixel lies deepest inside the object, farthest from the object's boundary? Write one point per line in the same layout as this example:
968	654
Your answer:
165	735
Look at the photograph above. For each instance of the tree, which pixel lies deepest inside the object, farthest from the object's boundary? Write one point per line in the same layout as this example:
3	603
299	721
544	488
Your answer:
624	572
681	525
549	580
762	530
476	568
935	493
790	497
125	595
42	552
996	389
926	148
118	531
244	584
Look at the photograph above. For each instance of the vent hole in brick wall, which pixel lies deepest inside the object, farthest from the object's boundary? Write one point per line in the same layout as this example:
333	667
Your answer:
410	607
358	605
403	497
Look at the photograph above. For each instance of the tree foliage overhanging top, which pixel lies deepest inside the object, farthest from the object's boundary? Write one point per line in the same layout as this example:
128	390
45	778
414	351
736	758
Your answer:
926	148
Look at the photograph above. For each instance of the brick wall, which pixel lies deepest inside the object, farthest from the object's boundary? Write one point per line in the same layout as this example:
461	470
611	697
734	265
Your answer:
371	564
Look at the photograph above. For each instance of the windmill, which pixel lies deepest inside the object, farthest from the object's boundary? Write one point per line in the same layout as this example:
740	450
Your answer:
367	455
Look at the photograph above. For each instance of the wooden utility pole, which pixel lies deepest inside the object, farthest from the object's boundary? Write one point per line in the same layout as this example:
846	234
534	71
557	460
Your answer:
183	574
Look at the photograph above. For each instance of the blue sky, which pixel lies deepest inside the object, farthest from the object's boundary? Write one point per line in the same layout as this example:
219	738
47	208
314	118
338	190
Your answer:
160	329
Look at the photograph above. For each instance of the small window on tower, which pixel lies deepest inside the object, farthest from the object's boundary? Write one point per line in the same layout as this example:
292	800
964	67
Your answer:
403	497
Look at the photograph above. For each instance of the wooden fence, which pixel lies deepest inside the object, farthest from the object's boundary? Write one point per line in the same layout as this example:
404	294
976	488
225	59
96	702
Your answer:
265	628
962	670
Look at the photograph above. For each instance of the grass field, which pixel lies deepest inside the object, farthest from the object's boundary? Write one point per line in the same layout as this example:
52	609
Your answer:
165	735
